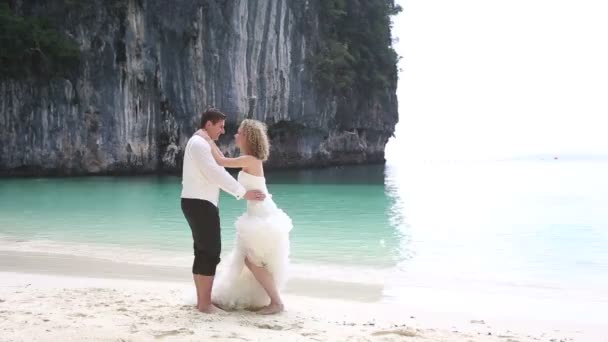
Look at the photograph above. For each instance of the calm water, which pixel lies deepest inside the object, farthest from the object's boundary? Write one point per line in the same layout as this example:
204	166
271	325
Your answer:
519	224
341	215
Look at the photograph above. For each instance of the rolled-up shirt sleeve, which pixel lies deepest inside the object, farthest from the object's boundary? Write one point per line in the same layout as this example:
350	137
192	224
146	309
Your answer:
201	154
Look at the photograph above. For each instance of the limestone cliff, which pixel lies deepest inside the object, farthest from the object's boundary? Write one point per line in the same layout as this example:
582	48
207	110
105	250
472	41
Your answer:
148	68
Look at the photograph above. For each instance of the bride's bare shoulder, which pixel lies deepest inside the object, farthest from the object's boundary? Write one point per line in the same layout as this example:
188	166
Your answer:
255	167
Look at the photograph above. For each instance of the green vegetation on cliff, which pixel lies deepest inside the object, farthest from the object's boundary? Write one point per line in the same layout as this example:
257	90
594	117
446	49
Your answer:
31	45
356	49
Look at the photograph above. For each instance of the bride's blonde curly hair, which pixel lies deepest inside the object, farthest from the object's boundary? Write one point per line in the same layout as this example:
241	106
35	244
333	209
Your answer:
256	135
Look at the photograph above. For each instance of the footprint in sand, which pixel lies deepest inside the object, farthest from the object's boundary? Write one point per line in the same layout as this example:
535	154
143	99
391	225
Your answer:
236	336
182	331
269	326
297	325
78	315
405	333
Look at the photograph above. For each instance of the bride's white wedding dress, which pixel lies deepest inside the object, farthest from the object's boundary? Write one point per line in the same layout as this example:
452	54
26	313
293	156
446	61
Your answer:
262	235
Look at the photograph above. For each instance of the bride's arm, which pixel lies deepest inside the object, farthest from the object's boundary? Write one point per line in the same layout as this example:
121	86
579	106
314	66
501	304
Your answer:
238	162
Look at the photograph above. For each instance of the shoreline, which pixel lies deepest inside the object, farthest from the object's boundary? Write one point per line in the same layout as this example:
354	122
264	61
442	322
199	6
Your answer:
88	267
181	257
60	294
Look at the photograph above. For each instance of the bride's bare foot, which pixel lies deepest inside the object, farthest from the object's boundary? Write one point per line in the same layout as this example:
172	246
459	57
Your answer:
210	309
272	309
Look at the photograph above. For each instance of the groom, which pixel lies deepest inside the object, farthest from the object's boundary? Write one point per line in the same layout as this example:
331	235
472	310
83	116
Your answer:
202	179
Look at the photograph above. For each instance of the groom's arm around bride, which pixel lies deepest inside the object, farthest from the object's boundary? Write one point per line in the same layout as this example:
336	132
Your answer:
202	156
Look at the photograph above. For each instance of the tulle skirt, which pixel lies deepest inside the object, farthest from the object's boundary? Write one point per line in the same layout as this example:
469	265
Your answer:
262	238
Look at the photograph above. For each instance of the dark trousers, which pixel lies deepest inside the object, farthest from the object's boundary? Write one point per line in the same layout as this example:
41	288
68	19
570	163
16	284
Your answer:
204	220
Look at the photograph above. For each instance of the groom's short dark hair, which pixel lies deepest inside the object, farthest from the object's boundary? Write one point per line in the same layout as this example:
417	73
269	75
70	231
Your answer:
213	115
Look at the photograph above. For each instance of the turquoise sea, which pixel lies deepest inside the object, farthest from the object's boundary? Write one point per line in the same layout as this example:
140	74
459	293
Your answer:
495	227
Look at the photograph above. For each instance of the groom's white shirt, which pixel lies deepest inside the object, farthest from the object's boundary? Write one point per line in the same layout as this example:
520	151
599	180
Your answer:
202	176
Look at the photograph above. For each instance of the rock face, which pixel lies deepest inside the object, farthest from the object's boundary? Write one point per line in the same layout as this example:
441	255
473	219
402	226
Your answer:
148	68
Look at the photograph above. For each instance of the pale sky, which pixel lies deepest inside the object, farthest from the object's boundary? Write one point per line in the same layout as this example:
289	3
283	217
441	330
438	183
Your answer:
494	78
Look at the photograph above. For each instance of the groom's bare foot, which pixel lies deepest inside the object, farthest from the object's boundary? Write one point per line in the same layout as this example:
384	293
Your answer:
210	309
272	309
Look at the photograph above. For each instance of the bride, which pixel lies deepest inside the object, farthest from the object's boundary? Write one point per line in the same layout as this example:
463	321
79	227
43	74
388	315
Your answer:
256	270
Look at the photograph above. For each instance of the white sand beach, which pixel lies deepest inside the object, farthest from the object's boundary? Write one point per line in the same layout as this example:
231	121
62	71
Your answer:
55	297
